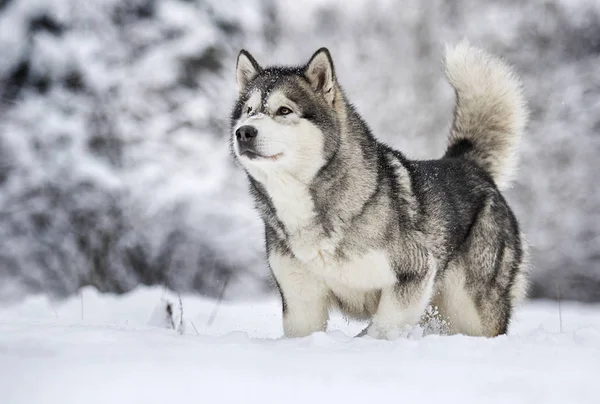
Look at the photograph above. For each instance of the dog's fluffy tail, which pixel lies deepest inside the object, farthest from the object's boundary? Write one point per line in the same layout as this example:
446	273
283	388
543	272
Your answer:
490	113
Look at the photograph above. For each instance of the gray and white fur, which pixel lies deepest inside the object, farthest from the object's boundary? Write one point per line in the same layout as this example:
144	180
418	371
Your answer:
352	224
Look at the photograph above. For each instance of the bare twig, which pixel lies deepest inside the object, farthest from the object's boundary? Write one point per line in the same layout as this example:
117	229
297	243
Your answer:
220	298
559	307
180	328
169	309
81	302
194	327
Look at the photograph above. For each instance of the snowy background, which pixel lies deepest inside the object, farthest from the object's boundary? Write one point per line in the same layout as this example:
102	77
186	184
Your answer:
115	174
114	169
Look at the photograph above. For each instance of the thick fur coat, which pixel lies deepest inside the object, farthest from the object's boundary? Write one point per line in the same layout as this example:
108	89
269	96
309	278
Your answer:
352	224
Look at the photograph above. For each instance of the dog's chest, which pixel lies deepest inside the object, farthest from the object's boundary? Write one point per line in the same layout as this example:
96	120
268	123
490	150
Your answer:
292	201
295	208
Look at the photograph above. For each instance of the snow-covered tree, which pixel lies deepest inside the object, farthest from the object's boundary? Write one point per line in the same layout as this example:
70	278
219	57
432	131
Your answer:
114	167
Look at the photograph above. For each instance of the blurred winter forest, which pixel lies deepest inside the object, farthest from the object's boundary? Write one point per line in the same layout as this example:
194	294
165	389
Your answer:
114	167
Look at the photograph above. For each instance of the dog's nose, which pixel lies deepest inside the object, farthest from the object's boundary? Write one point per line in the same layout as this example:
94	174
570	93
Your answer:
246	133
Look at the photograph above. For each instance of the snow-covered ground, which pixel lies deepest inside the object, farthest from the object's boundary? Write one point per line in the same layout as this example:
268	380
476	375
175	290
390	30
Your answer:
107	349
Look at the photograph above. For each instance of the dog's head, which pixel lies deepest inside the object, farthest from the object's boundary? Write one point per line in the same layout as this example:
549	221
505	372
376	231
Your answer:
286	119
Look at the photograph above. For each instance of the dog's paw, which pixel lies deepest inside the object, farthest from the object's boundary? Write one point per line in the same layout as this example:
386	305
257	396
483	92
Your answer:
378	331
390	332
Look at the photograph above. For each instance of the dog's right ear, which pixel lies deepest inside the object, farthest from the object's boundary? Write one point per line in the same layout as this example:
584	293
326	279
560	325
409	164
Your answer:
247	68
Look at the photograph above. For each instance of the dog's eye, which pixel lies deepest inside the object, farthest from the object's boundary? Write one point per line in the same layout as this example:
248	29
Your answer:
284	111
249	110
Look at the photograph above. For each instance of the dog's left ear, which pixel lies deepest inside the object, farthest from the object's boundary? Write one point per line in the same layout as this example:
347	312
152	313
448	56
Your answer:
321	75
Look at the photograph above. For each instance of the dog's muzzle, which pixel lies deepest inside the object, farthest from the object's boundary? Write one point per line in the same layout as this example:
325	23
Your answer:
246	141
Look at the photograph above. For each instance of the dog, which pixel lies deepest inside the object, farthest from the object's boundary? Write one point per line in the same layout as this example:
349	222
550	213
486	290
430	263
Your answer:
354	225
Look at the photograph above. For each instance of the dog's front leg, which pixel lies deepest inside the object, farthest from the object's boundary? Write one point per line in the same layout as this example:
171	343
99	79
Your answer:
402	305
304	297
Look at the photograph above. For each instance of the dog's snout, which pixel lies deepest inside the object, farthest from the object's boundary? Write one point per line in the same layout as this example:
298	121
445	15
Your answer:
246	133
246	145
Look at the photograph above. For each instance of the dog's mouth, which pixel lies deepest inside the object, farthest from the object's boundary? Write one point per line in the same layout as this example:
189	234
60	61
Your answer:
255	156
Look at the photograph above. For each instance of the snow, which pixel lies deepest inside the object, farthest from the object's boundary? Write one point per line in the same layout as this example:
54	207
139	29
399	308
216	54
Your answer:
99	348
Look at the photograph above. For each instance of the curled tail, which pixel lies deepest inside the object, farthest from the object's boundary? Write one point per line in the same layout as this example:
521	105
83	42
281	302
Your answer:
490	113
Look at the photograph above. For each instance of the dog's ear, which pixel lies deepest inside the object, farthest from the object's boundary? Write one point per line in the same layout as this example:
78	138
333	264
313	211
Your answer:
321	75
247	68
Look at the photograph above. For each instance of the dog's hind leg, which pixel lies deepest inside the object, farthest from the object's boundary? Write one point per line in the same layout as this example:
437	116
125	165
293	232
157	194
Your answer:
455	304
476	307
481	285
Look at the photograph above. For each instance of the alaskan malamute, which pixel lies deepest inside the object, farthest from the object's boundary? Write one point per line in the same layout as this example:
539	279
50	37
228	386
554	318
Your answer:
352	224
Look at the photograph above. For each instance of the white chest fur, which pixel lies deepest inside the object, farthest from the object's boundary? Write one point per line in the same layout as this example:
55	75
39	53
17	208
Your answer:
295	208
292	200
